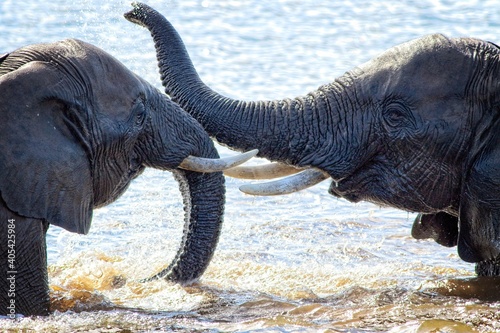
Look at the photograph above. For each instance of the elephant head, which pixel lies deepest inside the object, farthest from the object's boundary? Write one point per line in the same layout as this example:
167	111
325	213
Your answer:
415	128
77	127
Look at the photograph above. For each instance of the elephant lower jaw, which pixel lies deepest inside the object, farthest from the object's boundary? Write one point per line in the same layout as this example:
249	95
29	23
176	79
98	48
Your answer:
347	189
357	190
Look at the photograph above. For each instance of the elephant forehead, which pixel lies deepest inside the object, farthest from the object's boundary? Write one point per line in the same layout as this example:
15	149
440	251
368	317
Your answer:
114	87
110	86
412	53
431	65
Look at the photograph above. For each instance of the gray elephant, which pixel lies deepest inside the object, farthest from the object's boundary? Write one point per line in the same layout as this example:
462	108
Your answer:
416	128
77	127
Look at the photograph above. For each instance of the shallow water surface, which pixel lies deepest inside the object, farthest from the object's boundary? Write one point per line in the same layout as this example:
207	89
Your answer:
305	262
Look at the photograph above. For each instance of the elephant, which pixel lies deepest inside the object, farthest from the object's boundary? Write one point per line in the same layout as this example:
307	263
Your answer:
415	128
77	127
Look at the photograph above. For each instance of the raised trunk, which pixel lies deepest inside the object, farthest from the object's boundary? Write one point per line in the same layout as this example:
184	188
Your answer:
203	195
281	130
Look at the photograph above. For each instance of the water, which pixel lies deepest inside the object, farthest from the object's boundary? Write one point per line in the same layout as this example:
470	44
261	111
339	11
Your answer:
305	262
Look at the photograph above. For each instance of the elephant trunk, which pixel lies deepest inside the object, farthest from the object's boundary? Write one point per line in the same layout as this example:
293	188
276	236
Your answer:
178	138
322	130
203	195
276	128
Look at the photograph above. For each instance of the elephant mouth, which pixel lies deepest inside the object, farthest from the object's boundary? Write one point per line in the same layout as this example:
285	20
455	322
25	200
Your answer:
358	185
135	167
371	182
383	189
337	189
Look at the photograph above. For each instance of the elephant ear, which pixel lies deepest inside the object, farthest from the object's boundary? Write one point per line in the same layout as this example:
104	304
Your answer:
479	215
44	168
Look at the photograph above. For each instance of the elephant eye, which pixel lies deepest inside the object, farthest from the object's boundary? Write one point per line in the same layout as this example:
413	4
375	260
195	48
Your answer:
140	117
396	114
140	112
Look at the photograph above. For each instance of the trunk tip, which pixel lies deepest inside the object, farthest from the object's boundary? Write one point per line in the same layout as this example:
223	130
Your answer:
139	13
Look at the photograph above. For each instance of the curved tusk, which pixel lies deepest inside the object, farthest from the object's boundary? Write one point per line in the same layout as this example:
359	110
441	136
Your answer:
266	171
287	185
202	164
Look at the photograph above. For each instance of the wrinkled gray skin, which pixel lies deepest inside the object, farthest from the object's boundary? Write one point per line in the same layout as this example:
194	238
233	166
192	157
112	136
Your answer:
77	127
416	128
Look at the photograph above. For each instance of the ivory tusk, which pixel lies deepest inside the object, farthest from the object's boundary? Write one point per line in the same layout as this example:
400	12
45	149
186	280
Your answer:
202	164
266	171
287	185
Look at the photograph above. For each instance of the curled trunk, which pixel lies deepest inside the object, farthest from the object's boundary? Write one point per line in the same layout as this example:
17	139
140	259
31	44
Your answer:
203	195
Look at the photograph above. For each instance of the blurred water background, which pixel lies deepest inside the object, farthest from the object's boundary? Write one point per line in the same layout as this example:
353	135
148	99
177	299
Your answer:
305	262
